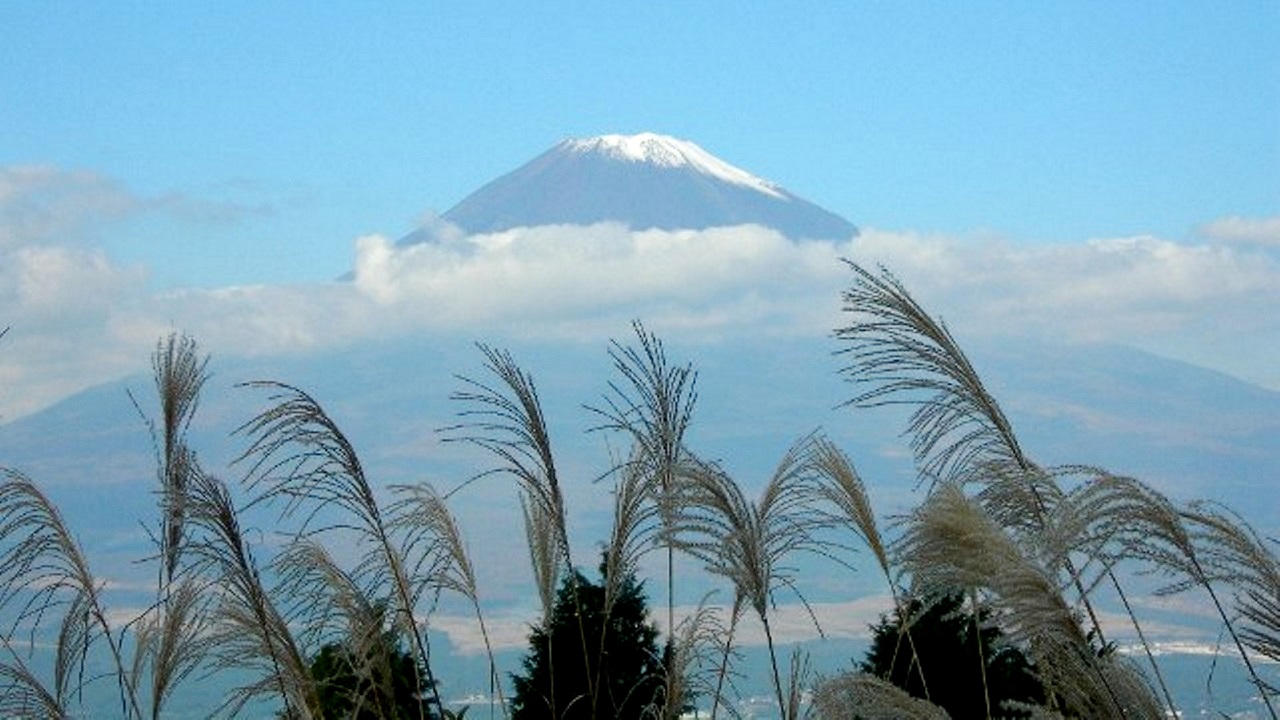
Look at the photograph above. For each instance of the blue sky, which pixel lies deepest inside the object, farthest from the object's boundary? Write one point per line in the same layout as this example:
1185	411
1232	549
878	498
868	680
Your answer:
157	151
1035	121
1091	171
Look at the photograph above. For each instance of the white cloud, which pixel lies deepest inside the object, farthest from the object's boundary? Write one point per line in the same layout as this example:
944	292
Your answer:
62	305
507	631
80	318
1236	229
60	282
1210	304
1099	289
563	275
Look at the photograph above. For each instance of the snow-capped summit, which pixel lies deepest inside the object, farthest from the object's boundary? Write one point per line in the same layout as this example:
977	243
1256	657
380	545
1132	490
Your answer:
643	181
666	151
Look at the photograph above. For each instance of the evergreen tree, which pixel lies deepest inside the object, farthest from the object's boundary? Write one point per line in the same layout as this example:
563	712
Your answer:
621	660
379	683
948	644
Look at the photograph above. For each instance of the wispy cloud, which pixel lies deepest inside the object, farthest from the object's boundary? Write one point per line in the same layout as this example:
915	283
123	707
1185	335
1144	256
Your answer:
43	204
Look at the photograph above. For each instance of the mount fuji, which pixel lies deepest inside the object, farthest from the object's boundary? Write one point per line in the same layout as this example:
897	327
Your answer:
643	181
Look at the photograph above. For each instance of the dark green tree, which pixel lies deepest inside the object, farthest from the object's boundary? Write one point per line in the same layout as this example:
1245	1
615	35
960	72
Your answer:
378	683
948	644
621	660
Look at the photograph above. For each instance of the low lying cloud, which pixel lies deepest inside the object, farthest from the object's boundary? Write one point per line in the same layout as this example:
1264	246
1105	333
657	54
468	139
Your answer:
567	276
1110	289
508	629
789	623
1235	229
78	317
68	284
1204	303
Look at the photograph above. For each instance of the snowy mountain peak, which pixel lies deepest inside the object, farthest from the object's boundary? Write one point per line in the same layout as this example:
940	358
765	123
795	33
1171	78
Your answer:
669	152
642	181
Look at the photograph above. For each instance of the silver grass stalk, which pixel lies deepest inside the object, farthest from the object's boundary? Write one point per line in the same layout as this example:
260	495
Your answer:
73	634
747	542
506	419
1108	519
323	599
330	603
43	570
1100	519
653	404
867	697
695	642
1069	533
171	645
798	673
22	692
299	456
952	544
636	523
728	653
976	613
849	504
1026	501
903	356
850	507
1149	528
423	516
179	373
249	631
545	562
1234	553
544	553
370	644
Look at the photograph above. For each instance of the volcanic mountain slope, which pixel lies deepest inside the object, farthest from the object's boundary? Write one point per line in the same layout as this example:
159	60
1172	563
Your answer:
643	181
